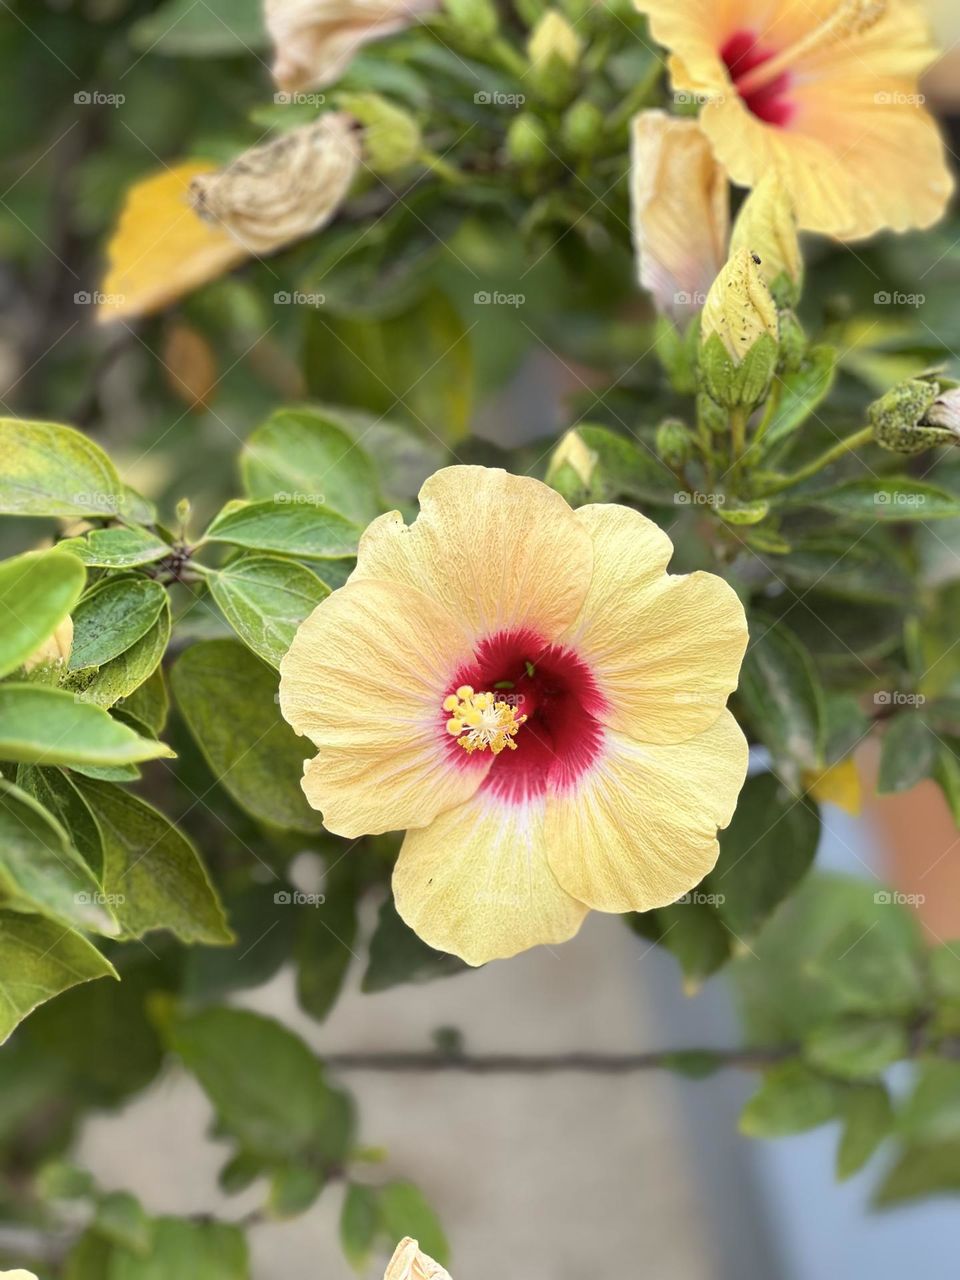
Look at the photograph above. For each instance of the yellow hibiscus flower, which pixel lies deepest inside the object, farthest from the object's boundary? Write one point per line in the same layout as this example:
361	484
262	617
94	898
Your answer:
822	91
409	1263
527	692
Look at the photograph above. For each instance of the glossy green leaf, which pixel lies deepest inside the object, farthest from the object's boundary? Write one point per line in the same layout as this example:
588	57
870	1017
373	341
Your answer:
152	875
229	701
265	598
325	946
800	394
303	529
39	959
867	1121
306	453
39	725
693	933
884	498
398	956
37	591
791	1099
783	696
125	674
112	618
55	790
49	470
120	548
909	753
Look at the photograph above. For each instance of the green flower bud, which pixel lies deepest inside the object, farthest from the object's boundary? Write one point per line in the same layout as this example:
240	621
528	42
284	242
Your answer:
527	144
571	467
391	137
913	417
477	18
739	334
582	128
712	415
675	443
554	49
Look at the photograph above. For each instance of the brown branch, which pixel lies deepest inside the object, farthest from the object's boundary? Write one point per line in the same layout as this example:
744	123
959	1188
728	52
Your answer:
485	1064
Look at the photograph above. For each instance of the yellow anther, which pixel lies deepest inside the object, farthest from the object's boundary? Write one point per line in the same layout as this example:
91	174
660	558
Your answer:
482	721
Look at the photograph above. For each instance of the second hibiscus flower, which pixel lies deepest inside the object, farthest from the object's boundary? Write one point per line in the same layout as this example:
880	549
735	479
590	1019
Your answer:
526	690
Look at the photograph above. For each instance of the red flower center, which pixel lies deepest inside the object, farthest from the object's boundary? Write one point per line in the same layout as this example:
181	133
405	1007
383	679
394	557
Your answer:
558	694
742	54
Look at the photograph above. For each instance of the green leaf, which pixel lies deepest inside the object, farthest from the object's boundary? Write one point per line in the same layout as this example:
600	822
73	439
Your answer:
306	453
609	467
228	699
791	1099
38	960
303	529
867	1121
126	673
40	870
200	1250
37	591
55	791
293	1189
39	725
782	693
359	1224
112	618
268	1089
368	363
265	598
324	949
883	498
909	753
944	963
213	29
692	932
928	1170
149	702
116	548
764	854
857	1049
120	1218
932	1112
801	392
398	956
152	875
49	470
404	1212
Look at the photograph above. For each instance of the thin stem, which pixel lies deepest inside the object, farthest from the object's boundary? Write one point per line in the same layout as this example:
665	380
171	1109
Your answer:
773	404
502	53
486	1064
864	436
442	169
738	439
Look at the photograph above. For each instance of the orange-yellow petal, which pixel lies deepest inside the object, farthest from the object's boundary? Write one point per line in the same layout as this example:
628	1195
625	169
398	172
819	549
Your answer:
639	830
161	249
365	679
496	550
477	883
665	650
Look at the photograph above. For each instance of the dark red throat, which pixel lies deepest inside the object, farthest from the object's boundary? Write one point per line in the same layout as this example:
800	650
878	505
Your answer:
769	102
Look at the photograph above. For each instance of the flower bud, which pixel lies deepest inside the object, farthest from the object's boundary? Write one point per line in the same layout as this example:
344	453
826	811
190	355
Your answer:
409	1263
739	334
571	467
527	144
767	227
282	190
674	442
476	18
553	38
711	415
914	416
55	650
391	137
582	128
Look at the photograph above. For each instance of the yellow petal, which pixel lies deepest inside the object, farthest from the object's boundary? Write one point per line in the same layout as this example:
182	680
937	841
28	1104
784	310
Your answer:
409	1263
161	250
365	679
665	649
476	882
496	550
839	785
739	308
767	226
639	830
56	649
681	211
